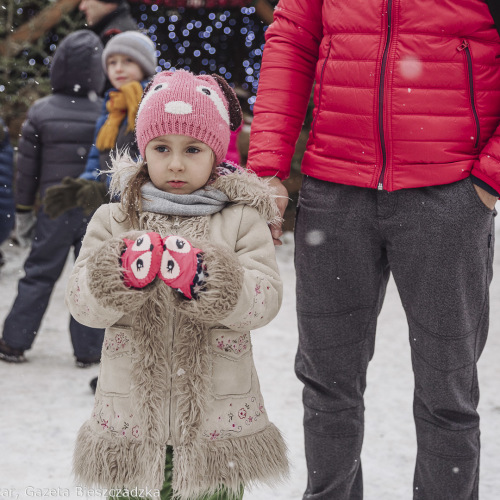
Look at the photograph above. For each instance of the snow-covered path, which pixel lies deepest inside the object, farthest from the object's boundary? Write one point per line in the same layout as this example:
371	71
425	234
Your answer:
44	402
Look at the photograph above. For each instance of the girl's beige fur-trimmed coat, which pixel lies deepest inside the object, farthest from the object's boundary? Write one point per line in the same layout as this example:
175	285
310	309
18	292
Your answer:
175	371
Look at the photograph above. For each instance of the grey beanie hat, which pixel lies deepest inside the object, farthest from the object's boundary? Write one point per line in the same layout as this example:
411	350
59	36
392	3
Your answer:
136	45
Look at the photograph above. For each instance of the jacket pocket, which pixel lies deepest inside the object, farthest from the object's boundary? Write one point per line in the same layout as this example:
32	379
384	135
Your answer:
116	362
320	88
464	47
477	201
231	363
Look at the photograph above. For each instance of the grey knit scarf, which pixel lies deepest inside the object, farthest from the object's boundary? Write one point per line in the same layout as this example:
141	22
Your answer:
206	201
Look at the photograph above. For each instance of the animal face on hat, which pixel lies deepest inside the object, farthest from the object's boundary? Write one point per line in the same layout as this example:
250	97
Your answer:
181	103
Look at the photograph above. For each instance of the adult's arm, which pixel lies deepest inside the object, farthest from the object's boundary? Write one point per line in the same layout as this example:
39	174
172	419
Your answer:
287	74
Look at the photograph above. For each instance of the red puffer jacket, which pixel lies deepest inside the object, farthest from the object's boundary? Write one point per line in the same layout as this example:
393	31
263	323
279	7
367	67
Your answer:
407	92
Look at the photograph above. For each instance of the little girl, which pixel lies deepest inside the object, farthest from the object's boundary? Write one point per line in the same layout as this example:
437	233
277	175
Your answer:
178	272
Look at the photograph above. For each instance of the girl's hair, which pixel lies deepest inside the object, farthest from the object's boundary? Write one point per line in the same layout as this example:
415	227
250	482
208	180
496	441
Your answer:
131	198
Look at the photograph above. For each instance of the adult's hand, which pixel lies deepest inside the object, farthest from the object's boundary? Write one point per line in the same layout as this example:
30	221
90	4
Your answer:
487	198
281	193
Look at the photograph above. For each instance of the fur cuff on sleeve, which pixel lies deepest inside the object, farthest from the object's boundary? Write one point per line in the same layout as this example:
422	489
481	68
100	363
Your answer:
105	278
224	279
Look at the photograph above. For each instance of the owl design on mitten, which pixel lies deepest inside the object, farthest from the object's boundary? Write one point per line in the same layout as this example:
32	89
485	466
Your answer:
141	259
179	264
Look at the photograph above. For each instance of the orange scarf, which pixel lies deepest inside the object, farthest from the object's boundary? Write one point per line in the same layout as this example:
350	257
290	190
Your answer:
121	102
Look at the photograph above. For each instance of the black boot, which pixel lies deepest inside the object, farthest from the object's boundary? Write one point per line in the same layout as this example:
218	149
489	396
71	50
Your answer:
93	384
10	354
86	363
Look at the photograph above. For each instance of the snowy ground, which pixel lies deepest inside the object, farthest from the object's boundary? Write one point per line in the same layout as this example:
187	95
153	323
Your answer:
43	402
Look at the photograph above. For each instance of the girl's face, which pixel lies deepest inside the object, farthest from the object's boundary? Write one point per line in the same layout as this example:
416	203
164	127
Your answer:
123	69
179	164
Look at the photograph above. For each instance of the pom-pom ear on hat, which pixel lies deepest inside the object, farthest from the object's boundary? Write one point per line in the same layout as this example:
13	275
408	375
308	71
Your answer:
181	103
235	113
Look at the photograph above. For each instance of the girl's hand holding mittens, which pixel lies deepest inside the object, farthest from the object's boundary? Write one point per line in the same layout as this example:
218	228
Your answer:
173	259
182	266
141	259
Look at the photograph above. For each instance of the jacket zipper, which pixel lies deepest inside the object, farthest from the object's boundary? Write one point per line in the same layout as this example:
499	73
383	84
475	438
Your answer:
380	185
175	226
464	46
170	433
321	87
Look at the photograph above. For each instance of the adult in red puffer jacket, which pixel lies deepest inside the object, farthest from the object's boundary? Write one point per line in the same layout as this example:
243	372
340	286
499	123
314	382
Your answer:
402	172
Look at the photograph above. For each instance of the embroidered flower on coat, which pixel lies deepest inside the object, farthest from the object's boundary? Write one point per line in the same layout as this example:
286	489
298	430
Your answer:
111	422
257	310
214	435
117	343
237	346
250	413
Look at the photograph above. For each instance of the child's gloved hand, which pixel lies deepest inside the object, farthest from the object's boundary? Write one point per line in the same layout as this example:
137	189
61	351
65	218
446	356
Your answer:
182	266
91	195
61	197
141	259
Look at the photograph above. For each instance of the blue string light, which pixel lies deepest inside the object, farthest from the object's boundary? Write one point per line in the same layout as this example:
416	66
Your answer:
233	38
226	41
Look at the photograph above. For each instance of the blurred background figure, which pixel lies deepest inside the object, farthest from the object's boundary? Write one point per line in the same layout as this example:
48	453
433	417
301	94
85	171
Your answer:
6	193
129	61
107	18
55	140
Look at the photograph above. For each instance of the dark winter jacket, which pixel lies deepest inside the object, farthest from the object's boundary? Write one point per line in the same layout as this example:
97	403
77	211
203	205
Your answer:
114	23
100	161
405	95
59	129
6	175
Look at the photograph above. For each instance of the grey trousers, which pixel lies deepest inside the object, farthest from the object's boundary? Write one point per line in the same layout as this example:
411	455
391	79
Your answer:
43	267
438	243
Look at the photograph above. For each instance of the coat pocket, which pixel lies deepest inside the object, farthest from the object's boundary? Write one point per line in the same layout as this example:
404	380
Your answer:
116	362
231	363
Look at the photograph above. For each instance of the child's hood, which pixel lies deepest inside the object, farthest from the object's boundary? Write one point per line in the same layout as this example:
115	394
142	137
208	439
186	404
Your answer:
76	67
241	186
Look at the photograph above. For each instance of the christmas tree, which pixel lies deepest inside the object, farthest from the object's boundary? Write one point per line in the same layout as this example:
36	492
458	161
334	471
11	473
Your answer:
29	34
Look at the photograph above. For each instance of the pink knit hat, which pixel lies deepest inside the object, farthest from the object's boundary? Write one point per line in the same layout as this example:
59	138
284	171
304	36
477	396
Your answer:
181	103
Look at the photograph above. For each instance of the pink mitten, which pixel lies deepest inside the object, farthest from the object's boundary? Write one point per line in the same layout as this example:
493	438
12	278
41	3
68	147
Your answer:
141	260
179	264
